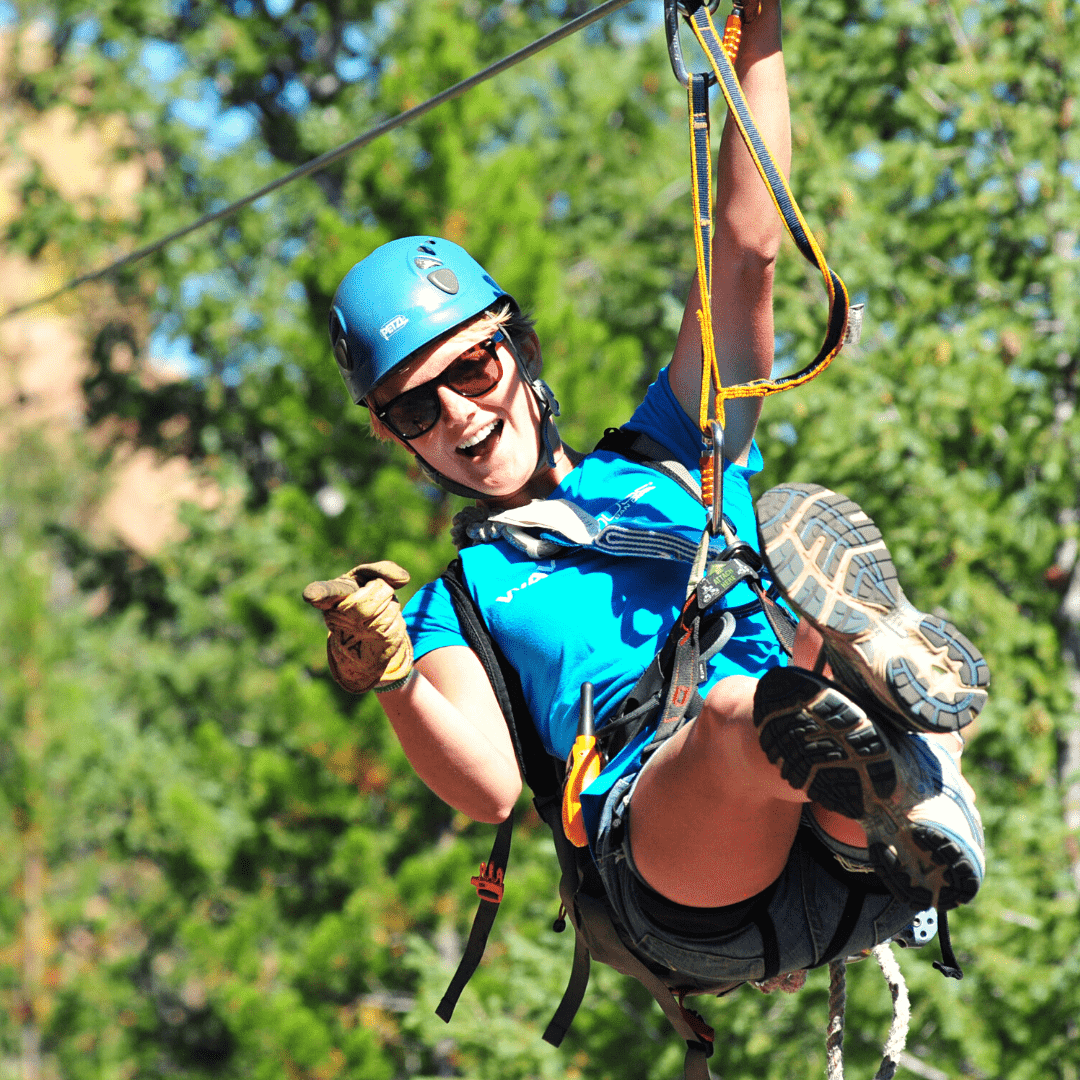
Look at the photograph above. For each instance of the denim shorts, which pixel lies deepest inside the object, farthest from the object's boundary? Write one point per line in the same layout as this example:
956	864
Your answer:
814	912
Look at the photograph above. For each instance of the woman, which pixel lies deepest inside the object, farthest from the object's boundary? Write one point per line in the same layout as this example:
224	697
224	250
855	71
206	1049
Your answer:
759	820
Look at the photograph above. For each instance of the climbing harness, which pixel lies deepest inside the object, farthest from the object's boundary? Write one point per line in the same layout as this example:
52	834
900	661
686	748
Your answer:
665	696
598	933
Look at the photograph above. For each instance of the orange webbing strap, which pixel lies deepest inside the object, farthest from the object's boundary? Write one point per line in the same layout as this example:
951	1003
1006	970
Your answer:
705	31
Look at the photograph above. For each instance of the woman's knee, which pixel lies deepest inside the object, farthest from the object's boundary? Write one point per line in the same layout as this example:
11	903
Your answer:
729	705
725	733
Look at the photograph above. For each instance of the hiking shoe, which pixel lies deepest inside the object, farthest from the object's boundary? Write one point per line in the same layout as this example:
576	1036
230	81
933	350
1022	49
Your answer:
924	835
832	566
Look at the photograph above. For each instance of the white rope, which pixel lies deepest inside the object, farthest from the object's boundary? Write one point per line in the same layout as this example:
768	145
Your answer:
834	1033
898	1029
901	1018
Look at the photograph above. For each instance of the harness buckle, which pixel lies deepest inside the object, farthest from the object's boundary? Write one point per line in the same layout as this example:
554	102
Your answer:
742	551
489	883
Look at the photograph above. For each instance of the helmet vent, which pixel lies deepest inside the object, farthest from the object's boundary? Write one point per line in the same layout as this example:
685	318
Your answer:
424	262
341	354
444	279
426	249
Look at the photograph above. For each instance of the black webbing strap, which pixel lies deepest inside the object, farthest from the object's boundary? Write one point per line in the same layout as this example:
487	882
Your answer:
845	926
782	624
682	678
641	448
572	997
948	965
489	885
858	886
575	864
769	944
536	765
609	948
701	175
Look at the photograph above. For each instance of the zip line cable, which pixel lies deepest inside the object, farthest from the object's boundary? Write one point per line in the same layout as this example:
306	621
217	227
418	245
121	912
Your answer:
323	160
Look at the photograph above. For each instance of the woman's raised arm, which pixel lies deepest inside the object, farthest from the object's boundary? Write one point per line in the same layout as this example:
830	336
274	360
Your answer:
746	240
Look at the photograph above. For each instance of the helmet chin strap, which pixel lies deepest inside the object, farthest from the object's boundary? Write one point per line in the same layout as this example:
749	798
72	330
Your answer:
549	433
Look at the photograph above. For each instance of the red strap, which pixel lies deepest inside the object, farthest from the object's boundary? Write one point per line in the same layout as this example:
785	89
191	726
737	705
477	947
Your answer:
696	1021
489	883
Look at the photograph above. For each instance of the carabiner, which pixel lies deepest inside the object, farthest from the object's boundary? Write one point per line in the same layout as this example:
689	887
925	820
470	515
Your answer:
672	8
716	512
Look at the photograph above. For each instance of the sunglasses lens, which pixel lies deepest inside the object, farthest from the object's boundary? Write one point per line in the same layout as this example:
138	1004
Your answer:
474	372
413	414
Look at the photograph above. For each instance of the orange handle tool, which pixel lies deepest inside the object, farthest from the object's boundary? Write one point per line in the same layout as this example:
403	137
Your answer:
582	768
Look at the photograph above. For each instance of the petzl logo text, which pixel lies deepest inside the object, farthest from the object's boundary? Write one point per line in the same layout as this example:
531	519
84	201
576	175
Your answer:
392	327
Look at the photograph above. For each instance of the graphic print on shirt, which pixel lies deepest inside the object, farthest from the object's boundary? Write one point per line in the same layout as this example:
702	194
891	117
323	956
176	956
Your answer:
542	570
620	508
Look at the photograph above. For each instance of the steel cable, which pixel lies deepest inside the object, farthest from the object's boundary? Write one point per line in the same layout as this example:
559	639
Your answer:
323	160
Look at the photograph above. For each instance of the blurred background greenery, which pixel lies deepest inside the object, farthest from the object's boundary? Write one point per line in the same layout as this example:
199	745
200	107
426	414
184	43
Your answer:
213	862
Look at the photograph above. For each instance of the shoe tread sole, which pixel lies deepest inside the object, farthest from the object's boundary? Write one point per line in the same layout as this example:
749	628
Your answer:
828	747
831	563
940	859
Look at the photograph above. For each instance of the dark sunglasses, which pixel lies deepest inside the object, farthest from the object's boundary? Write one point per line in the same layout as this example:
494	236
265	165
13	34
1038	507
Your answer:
473	374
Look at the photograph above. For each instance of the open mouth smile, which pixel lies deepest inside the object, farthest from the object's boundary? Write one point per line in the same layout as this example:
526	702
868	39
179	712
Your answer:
482	441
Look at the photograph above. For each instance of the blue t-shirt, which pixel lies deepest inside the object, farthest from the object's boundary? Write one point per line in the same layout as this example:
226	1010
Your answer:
592	616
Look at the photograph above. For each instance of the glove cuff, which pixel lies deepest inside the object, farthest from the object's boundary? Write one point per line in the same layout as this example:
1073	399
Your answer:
397	684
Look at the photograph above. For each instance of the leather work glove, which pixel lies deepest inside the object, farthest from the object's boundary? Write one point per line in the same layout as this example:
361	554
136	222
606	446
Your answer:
368	646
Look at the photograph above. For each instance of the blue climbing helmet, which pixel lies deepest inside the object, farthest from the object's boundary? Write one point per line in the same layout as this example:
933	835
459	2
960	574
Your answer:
405	295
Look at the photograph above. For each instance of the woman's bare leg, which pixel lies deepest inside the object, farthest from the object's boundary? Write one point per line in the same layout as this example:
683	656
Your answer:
711	820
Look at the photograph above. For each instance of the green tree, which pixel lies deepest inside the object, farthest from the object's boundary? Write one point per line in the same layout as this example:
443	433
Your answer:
292	896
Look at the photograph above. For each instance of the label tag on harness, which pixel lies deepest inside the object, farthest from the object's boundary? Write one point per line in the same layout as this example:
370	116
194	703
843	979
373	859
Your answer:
720	580
853	333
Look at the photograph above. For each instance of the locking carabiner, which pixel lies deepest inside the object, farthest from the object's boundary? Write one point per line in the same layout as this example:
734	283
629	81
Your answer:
672	9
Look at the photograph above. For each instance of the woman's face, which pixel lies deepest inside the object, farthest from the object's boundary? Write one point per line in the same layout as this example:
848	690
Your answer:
489	443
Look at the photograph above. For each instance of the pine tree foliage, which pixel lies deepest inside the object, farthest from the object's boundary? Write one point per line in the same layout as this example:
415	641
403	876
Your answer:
217	864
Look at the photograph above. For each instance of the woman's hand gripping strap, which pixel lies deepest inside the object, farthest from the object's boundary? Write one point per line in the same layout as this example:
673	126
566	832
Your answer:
582	768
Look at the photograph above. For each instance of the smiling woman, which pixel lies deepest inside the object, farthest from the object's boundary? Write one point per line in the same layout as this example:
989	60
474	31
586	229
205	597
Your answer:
475	421
746	784
412	312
